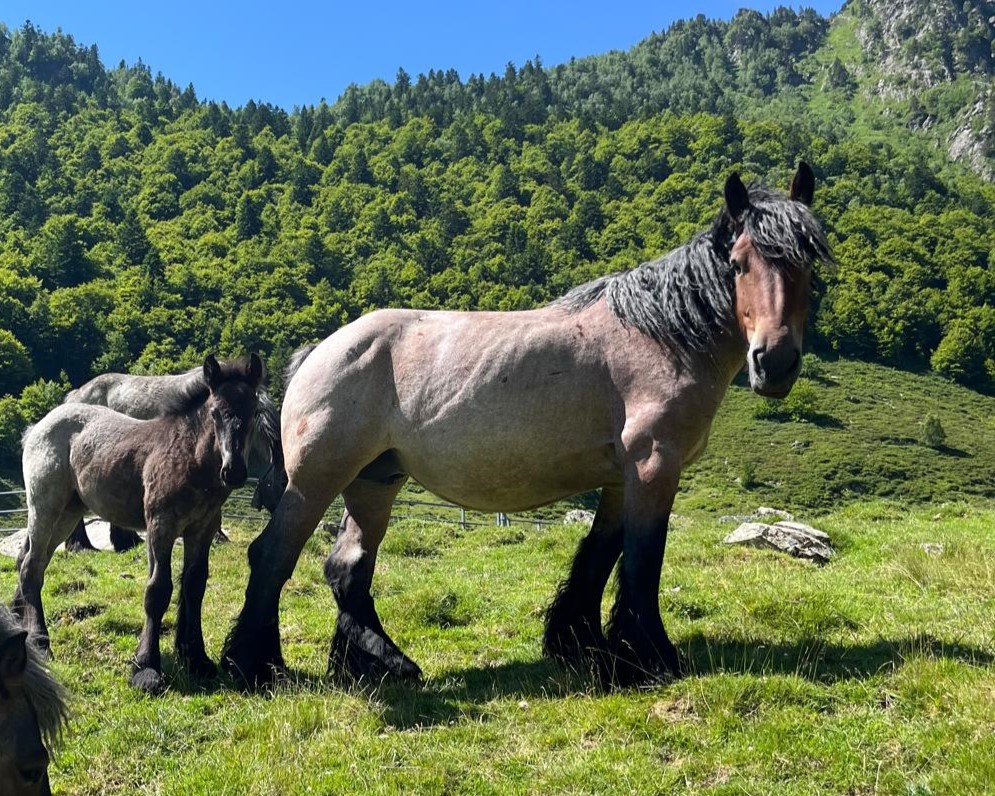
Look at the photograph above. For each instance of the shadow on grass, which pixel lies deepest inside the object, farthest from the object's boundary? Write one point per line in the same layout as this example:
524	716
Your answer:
819	660
460	695
464	694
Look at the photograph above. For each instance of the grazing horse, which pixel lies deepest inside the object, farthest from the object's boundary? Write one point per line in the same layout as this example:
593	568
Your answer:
32	713
615	385
144	397
169	475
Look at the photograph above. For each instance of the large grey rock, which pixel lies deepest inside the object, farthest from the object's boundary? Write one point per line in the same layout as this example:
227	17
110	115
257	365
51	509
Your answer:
581	516
794	538
98	531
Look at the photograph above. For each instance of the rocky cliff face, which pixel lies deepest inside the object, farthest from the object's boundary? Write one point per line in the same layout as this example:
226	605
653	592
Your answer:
908	47
922	43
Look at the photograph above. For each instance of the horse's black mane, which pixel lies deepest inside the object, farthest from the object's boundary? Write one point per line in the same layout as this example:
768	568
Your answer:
686	298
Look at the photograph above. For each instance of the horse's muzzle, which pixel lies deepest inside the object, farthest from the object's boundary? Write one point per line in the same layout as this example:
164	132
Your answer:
234	475
773	372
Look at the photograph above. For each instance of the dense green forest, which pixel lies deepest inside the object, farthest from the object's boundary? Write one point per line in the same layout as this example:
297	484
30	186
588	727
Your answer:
141	227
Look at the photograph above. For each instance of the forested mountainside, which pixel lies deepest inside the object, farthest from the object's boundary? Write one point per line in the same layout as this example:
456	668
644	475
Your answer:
141	227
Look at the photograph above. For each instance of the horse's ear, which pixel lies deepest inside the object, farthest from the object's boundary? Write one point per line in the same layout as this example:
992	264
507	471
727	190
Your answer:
212	371
803	184
737	197
254	370
13	655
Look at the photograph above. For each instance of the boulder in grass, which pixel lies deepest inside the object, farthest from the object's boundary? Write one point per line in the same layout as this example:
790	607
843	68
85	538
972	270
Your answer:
794	538
579	516
766	512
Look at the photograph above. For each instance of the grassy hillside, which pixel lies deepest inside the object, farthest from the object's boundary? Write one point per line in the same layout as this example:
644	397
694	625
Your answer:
860	438
870	675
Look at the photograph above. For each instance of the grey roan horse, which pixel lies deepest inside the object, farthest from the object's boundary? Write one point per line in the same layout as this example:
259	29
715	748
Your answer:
32	713
169	475
145	397
613	386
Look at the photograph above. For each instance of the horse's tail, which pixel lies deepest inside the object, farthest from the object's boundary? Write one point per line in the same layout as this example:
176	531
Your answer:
295	362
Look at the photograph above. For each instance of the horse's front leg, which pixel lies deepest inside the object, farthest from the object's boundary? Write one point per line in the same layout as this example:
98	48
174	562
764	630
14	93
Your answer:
361	649
641	648
147	669
189	630
573	623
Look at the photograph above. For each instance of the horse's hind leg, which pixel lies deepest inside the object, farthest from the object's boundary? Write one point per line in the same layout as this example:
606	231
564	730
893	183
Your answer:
147	667
361	647
47	528
189	630
573	623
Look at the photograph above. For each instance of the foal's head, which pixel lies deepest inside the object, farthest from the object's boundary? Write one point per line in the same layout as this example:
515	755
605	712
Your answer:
232	406
32	712
774	244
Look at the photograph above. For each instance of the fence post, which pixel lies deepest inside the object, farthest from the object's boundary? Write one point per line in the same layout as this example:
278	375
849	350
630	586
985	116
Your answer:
462	518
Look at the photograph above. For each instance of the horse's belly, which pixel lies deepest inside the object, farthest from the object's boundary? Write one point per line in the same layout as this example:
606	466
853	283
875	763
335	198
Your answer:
508	481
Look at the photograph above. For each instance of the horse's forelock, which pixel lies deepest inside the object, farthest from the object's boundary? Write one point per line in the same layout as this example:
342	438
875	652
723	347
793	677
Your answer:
785	232
43	691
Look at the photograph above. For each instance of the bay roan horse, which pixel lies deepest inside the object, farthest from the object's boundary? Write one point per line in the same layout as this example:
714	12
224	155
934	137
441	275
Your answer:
614	386
32	713
146	397
169	475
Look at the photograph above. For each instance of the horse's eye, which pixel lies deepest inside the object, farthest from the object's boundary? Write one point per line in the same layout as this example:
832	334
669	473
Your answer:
737	267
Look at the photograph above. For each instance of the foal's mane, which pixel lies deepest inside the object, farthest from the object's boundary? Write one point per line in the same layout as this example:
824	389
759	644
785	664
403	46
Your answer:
46	696
686	299
192	395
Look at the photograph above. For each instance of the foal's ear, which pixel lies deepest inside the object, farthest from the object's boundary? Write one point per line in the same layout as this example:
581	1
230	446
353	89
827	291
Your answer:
803	184
254	370
13	655
737	197
212	371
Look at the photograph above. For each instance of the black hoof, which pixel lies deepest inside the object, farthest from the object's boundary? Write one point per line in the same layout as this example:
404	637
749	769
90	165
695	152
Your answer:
201	667
253	658
73	545
123	540
627	667
148	680
573	643
349	662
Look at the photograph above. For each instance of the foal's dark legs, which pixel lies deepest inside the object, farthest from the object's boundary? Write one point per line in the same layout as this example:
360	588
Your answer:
361	647
573	622
147	674
189	630
639	643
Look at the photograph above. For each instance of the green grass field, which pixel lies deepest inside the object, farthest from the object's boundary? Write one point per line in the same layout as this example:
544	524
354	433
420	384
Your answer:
873	674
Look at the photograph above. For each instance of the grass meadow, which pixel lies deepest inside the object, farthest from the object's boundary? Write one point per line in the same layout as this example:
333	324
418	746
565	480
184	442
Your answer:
872	675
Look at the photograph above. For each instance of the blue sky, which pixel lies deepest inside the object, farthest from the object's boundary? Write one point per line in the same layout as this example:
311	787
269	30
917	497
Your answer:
295	53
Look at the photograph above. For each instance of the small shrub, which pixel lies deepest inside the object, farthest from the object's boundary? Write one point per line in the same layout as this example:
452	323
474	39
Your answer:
931	433
812	368
748	475
802	403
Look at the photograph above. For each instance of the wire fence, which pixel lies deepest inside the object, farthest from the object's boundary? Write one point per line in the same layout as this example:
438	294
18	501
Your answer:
238	508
